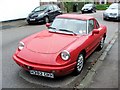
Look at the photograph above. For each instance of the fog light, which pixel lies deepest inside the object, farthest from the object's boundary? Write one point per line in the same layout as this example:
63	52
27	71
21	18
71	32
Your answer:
28	67
53	71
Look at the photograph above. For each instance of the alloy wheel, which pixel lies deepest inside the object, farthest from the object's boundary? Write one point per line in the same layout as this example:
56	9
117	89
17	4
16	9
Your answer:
80	62
102	43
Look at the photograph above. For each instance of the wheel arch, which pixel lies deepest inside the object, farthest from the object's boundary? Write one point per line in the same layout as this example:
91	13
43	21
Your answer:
47	16
83	52
104	35
75	72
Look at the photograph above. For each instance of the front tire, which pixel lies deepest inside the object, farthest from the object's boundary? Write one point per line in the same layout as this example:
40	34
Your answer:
29	23
82	12
79	64
104	18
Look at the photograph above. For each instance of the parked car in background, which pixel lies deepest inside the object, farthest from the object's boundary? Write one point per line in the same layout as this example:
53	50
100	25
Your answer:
113	12
88	8
63	48
44	13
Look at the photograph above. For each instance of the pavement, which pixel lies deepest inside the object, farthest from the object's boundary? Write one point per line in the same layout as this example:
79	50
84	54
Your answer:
107	75
104	74
12	24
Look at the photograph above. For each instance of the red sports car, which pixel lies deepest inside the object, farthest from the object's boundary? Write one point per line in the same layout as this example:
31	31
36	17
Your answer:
63	48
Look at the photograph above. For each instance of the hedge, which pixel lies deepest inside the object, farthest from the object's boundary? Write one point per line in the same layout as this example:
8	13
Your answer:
68	6
102	6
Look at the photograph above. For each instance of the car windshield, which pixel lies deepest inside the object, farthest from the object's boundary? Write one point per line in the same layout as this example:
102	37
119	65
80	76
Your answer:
69	25
40	8
88	5
114	6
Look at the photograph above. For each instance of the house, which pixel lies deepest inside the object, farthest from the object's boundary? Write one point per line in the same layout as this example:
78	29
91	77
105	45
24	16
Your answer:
16	9
106	1
93	1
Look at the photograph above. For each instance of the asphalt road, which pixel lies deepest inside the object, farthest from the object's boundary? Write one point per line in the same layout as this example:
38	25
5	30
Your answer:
14	77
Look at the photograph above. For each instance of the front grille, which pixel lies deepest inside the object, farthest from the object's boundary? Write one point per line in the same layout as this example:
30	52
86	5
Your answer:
85	9
113	14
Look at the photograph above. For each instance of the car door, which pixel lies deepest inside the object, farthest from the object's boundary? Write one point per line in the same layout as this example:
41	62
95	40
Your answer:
56	10
92	40
51	12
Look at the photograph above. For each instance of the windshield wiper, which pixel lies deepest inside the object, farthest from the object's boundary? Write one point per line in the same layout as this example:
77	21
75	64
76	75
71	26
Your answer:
37	10
67	31
53	29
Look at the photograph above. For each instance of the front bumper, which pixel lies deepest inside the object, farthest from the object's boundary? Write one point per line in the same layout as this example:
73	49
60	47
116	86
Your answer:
88	10
108	17
57	70
35	20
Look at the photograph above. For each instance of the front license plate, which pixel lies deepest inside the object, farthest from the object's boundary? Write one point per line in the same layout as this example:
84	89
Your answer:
41	73
32	19
112	16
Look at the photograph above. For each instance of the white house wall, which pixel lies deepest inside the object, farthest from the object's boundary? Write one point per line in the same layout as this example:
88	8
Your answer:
48	0
16	9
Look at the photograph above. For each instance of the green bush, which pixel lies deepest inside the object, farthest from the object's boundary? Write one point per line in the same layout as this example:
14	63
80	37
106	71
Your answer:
102	6
68	6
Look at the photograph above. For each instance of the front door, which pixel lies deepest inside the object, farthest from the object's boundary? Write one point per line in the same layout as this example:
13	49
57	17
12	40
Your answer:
92	39
51	12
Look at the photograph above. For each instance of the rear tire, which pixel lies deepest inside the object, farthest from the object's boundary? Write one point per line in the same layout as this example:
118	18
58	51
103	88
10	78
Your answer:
101	45
79	64
92	11
95	11
47	20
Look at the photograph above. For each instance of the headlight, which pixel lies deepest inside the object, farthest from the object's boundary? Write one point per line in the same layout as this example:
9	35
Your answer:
82	9
21	46
65	55
40	14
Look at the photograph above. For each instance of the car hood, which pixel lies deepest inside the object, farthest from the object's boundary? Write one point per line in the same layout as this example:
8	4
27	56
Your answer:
36	13
86	8
47	42
111	11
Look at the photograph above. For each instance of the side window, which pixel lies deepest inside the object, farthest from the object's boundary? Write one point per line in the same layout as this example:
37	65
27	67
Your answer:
90	25
56	7
97	25
50	7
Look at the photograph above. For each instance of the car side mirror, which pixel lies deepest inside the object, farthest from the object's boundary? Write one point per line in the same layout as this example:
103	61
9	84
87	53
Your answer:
95	31
106	7
47	25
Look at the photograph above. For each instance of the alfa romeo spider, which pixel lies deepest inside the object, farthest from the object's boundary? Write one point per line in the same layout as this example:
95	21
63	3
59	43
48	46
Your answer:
63	48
